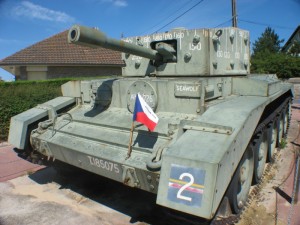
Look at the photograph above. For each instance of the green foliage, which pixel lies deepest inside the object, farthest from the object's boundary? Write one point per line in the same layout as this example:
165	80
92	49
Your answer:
285	66
269	42
282	143
16	97
267	58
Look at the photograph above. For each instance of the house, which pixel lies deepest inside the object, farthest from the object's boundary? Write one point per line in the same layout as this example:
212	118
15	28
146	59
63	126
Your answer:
54	57
292	41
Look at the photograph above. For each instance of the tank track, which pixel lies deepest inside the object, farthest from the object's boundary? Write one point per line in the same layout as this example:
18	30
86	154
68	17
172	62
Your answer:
271	113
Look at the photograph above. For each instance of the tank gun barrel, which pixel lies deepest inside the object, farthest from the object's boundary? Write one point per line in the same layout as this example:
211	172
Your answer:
91	37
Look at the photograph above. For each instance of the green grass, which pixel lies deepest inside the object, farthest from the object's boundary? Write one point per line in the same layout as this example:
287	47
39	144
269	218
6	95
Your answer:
282	143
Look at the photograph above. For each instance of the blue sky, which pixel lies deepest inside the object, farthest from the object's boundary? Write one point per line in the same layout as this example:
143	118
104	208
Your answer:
23	23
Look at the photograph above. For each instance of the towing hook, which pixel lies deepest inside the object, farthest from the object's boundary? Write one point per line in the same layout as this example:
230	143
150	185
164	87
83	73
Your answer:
153	165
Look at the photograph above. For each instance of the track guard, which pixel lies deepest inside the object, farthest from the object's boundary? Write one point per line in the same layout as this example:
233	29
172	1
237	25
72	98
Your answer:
18	131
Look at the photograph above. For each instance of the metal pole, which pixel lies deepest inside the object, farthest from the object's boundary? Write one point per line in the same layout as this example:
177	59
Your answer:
130	141
297	179
234	16
295	190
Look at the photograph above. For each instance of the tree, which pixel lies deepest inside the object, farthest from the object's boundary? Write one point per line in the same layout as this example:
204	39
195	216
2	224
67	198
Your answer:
267	58
268	43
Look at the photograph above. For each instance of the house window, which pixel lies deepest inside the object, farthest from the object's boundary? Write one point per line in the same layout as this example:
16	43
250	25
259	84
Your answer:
36	75
36	72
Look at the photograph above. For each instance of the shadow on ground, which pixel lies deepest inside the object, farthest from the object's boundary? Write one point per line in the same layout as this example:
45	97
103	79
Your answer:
139	205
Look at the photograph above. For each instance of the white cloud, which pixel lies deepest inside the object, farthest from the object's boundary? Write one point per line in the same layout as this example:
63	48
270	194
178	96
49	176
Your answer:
118	3
30	10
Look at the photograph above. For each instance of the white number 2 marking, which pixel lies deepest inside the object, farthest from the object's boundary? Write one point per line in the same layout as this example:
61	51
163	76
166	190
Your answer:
179	195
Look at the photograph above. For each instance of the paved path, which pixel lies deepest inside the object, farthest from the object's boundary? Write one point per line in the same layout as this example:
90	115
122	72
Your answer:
286	213
12	166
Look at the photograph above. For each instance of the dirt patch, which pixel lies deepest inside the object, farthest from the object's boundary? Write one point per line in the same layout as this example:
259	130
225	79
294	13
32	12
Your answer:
256	215
49	204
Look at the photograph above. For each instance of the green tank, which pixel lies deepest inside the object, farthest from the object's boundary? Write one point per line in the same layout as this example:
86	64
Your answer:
218	125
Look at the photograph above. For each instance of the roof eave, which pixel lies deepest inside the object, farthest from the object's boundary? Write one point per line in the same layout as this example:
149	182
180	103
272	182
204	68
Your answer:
60	64
290	39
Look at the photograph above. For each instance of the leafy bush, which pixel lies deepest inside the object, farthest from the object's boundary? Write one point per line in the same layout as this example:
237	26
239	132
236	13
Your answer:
285	66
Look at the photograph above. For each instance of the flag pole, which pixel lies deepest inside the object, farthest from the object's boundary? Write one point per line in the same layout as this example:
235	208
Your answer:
130	141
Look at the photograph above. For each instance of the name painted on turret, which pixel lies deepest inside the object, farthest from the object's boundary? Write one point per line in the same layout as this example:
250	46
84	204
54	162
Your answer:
187	89
157	37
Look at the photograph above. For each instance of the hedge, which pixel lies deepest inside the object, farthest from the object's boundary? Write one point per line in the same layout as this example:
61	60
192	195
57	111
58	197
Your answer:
285	66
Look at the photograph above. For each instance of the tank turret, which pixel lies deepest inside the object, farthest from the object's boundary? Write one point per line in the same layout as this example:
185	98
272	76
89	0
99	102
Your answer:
180	52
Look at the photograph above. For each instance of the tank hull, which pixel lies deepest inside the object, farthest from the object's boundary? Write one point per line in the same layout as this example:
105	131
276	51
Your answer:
190	158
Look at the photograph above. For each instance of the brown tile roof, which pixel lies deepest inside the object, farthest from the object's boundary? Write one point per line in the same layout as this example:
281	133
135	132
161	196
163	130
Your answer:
56	51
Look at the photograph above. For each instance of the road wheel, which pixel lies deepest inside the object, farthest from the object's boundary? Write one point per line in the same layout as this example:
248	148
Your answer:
260	156
272	140
239	187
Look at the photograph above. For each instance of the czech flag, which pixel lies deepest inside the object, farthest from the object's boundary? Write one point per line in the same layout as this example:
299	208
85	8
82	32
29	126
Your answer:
144	114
